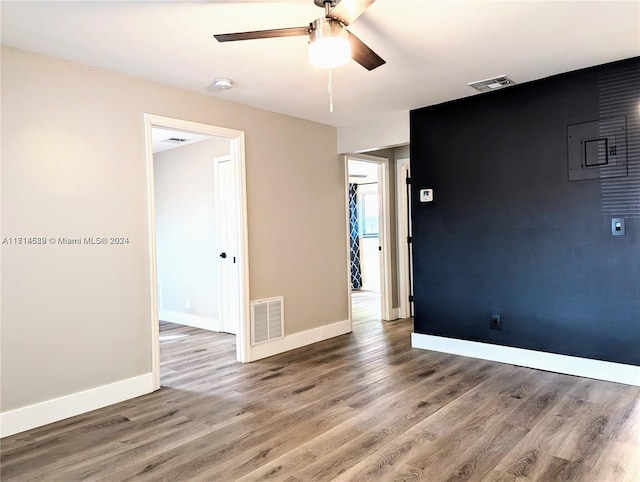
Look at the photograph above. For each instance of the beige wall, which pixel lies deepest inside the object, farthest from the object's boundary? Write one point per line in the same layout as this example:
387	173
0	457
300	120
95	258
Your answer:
402	152
76	317
379	133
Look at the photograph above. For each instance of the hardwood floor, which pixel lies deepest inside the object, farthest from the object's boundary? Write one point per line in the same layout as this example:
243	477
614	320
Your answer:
365	305
363	406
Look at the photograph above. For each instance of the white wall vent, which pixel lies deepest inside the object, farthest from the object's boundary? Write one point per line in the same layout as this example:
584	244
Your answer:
267	320
492	83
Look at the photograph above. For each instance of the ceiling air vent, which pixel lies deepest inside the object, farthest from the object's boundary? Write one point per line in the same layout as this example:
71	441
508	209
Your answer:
493	83
175	140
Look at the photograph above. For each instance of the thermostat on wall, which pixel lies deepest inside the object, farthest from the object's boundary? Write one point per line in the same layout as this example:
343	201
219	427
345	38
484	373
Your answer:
426	195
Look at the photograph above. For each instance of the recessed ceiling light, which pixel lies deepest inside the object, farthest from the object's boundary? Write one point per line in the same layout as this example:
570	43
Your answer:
223	84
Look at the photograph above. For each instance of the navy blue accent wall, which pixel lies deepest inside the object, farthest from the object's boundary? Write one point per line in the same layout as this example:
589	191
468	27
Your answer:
508	234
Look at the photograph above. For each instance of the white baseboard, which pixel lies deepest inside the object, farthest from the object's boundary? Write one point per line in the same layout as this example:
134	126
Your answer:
570	365
297	340
190	320
49	411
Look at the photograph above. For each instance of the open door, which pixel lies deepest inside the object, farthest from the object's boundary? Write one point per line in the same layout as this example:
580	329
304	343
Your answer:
227	227
405	237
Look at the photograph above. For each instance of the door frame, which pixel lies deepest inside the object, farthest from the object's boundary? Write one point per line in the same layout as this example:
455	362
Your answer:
405	287
237	146
386	299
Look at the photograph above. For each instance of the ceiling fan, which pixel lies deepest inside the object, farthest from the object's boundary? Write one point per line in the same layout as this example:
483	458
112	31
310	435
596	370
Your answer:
330	43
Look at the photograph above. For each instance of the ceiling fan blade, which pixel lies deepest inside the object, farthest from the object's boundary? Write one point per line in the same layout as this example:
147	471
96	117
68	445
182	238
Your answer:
276	32
348	10
363	54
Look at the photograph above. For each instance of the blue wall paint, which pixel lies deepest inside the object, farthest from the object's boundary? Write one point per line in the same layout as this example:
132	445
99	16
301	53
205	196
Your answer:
508	233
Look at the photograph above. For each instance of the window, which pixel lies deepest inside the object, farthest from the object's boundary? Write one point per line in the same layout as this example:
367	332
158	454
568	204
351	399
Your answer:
368	213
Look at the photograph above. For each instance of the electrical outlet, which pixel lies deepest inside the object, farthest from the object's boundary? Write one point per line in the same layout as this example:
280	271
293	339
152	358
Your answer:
496	323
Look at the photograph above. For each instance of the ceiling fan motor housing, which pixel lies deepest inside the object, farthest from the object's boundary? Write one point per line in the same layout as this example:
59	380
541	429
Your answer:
322	3
323	27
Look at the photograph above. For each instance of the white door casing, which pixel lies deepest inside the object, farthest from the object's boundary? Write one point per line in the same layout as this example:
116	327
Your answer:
236	139
384	224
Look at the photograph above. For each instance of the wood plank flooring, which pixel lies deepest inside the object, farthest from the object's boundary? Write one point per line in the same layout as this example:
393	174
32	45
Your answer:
363	406
365	305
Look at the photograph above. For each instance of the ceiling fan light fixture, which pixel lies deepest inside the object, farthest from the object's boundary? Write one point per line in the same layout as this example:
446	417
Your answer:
329	45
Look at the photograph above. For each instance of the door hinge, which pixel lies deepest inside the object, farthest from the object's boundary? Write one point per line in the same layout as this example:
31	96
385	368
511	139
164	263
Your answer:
410	298
408	180
409	239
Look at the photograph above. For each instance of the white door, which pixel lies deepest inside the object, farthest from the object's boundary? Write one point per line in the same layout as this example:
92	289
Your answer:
227	219
404	243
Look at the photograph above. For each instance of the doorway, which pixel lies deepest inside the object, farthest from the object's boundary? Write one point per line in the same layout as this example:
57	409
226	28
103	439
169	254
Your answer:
230	251
188	225
369	237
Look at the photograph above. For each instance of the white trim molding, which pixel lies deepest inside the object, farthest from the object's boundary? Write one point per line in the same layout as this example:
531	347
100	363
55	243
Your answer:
384	239
298	340
570	365
54	410
347	231
236	140
188	319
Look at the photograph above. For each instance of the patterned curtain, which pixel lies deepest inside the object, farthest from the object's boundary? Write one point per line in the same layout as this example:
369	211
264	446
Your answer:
356	275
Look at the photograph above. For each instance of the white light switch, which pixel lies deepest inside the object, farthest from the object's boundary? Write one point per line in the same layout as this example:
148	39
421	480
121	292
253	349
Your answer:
426	195
617	227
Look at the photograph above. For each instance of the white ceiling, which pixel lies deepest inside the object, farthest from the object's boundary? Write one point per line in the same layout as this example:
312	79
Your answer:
160	138
432	48
362	172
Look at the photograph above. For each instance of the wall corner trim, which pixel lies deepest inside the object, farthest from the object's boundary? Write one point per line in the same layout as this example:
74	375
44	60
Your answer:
298	340
569	365
56	409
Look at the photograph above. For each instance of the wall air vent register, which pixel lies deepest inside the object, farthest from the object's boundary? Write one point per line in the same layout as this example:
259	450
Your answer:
493	83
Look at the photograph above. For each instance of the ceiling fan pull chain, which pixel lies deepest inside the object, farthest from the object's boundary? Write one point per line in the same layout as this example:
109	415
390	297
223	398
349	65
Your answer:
330	92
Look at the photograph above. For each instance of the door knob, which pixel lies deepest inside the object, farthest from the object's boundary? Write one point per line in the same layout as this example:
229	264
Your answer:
223	255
